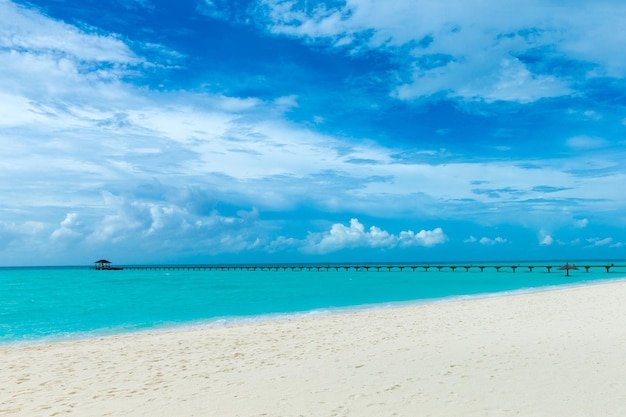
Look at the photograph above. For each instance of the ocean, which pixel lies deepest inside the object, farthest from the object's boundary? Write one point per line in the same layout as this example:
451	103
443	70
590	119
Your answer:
53	304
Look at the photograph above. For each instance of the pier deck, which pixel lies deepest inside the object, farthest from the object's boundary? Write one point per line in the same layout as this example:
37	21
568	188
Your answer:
382	267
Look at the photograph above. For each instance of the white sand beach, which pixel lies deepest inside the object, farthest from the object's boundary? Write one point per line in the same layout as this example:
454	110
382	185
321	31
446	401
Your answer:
557	353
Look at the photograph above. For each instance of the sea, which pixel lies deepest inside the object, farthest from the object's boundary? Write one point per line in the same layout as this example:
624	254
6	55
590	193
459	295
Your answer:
50	304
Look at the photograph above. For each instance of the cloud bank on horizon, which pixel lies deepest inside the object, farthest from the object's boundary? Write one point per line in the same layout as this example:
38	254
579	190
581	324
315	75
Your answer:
313	131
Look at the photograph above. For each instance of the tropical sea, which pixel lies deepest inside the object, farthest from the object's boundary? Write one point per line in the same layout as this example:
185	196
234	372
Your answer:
47	304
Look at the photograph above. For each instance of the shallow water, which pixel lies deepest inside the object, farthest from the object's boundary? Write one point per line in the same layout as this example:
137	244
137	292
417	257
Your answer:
43	304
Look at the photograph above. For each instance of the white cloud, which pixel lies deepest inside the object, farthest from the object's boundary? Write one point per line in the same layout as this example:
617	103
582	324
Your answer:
341	237
11	231
23	29
545	239
426	238
70	229
508	81
282	243
495	241
592	115
462	48
581	223
596	241
112	136
586	142
470	239
345	237
64	76
287	102
157	226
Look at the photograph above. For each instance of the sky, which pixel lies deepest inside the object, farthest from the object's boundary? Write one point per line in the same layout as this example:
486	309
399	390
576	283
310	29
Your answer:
271	131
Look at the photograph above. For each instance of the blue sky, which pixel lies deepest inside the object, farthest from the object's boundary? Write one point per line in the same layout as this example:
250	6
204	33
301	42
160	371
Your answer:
218	131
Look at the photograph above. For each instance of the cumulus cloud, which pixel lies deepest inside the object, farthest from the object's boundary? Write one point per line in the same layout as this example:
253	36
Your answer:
545	239
426	238
158	221
68	229
495	241
354	236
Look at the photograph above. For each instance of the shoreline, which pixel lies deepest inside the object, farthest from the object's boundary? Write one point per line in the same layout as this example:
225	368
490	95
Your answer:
537	354
227	321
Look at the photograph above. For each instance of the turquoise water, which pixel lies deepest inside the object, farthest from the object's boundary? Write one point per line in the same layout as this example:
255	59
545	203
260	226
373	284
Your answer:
42	304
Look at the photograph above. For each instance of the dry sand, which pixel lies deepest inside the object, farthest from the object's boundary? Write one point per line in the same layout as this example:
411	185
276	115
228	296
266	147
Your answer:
558	353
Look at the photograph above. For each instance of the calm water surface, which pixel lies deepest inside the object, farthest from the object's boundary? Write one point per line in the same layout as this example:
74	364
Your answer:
42	304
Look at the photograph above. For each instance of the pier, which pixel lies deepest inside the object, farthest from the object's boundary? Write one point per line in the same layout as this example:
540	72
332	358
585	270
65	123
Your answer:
374	267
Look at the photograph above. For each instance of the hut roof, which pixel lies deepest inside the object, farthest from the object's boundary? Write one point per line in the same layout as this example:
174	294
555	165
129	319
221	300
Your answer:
102	261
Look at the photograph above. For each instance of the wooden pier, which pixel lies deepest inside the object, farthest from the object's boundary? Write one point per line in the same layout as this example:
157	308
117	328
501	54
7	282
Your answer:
377	268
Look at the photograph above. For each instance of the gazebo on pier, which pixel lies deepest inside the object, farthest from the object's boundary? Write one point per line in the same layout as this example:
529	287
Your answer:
104	265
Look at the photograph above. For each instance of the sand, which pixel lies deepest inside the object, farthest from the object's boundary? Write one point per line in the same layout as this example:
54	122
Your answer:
557	353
